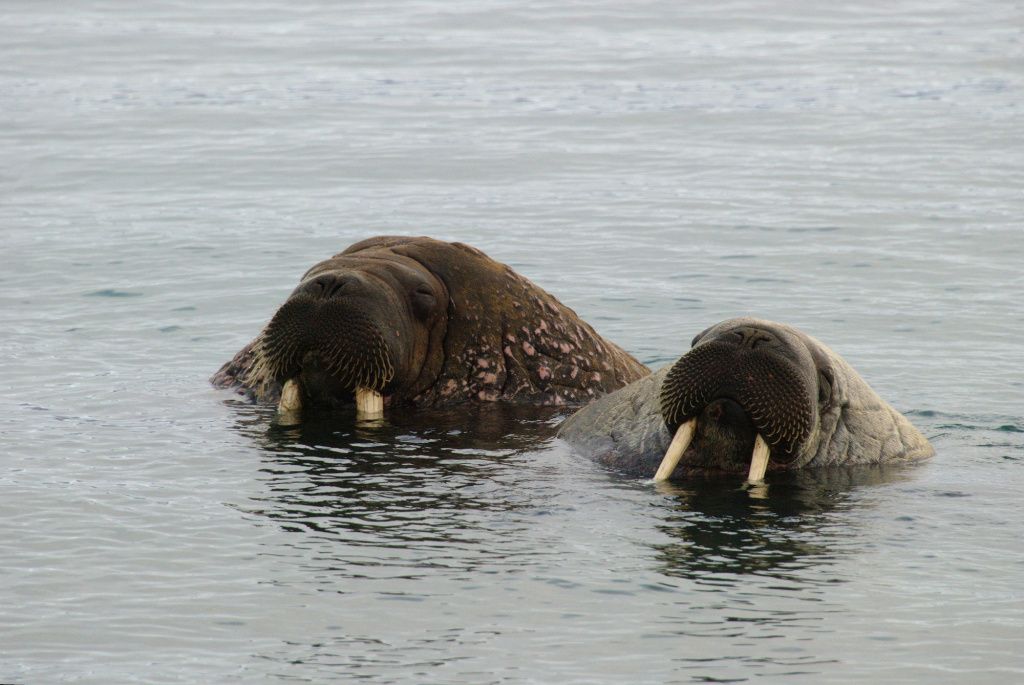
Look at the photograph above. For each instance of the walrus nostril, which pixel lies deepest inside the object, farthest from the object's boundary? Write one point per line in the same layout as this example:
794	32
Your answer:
339	284
752	338
326	286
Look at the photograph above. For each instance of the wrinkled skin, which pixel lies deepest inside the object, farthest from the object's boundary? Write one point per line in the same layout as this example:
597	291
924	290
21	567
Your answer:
743	377
426	323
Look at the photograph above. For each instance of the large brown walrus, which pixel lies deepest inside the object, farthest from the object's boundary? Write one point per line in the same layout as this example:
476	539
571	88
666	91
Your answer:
397	321
750	395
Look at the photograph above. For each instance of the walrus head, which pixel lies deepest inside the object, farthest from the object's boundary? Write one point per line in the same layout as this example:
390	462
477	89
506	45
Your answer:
354	329
749	395
746	388
414	321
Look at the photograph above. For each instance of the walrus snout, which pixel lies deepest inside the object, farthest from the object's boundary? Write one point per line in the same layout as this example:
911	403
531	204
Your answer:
746	368
328	333
780	400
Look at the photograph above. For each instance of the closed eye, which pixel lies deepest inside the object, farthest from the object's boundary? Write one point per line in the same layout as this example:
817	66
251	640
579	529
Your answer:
423	300
824	387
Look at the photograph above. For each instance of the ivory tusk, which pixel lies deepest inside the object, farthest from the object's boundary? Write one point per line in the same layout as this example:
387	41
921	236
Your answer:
680	441
758	460
290	405
369	403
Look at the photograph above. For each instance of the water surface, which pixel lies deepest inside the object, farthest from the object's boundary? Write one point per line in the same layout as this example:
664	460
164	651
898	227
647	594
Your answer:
171	170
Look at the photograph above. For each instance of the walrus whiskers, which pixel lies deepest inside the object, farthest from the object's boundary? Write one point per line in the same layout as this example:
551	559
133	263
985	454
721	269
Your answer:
680	441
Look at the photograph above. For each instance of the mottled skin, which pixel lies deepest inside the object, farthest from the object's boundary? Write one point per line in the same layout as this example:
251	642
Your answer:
447	324
850	424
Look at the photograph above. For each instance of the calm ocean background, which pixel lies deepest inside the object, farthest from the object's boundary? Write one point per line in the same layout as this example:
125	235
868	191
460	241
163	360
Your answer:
170	169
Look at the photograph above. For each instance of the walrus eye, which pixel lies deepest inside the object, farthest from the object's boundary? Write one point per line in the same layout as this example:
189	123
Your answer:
824	388
423	301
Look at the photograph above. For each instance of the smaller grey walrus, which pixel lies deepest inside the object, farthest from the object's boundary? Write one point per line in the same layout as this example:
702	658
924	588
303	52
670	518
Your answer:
750	395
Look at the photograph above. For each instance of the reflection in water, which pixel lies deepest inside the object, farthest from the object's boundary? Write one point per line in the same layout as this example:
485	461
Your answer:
454	488
472	529
789	524
415	491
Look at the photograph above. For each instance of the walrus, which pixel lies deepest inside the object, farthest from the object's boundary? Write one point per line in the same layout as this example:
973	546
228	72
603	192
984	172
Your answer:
751	395
402	321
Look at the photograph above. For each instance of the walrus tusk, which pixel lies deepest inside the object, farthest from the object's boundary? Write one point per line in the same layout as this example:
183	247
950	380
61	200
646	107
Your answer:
758	460
369	403
290	405
680	441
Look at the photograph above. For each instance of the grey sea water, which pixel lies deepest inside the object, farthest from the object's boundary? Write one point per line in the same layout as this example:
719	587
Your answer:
170	169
